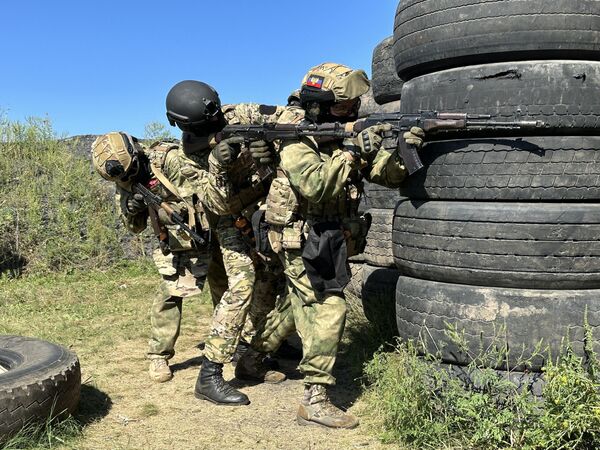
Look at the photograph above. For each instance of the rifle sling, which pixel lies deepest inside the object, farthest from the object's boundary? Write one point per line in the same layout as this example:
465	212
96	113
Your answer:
173	190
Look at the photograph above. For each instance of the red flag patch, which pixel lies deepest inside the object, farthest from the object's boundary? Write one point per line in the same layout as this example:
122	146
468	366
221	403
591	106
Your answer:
315	81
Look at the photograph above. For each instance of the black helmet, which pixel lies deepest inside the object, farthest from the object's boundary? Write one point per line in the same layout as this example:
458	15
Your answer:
192	104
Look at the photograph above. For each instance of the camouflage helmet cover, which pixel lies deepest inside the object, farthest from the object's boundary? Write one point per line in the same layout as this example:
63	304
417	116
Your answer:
113	154
342	81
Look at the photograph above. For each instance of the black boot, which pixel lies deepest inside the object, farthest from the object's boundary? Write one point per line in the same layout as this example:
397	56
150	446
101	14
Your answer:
241	348
212	387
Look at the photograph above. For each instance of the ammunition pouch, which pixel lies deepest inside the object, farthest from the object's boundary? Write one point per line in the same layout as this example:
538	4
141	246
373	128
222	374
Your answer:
179	240
282	203
293	236
355	232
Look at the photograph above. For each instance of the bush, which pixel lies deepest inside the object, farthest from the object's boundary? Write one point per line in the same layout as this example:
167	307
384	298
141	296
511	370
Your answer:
55	214
418	402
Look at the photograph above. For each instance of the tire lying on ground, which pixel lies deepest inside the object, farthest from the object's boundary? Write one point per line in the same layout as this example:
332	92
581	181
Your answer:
565	95
527	168
425	309
524	245
378	251
387	86
38	380
430	35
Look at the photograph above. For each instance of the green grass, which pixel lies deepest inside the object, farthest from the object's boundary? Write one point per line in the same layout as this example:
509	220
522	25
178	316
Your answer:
417	402
97	307
48	435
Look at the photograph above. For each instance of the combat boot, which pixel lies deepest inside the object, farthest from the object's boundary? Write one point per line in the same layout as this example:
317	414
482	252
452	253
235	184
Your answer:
317	409
241	348
251	366
159	370
212	387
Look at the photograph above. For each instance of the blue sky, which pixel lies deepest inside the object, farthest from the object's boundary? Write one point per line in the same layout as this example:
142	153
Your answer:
93	67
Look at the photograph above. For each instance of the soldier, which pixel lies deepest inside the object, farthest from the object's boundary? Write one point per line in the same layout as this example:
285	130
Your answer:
183	267
314	226
196	109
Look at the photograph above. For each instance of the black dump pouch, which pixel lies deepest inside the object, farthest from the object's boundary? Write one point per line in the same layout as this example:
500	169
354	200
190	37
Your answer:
261	232
324	257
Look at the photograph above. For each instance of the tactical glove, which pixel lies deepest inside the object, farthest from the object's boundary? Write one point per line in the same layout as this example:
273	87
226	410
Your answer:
414	137
135	204
226	151
370	139
262	152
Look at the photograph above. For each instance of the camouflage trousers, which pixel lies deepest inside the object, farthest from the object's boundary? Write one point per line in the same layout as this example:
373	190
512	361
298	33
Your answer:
249	297
319	322
183	275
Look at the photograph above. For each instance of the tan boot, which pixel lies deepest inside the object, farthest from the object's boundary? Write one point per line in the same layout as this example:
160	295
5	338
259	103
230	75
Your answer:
159	370
251	367
316	409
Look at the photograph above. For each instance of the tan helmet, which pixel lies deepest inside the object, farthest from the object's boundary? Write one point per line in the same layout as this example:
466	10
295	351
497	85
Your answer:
114	155
339	81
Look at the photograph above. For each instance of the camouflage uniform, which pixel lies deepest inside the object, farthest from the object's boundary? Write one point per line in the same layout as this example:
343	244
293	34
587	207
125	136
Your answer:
185	269
316	182
251	289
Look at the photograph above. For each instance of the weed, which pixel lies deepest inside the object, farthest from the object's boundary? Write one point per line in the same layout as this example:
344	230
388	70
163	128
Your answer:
420	402
55	214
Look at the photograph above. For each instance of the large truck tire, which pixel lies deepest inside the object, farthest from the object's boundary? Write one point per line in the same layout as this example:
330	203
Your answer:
489	317
523	245
38	381
378	298
387	86
565	95
380	197
431	35
557	168
378	251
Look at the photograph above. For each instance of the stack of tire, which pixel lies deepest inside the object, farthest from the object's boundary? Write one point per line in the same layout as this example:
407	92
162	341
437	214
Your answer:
374	274
501	231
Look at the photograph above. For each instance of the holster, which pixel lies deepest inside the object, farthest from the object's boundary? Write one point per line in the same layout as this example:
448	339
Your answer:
325	257
355	232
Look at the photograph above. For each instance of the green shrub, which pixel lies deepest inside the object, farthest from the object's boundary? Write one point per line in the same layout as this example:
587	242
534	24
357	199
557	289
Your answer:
55	214
420	403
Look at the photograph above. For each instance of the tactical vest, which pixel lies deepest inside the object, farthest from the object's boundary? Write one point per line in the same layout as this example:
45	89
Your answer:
157	154
247	187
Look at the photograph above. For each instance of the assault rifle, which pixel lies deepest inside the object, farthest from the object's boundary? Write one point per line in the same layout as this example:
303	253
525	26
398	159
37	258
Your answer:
155	203
432	122
429	121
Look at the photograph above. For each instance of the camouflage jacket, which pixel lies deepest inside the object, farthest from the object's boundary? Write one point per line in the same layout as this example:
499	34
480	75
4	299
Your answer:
327	183
240	184
189	175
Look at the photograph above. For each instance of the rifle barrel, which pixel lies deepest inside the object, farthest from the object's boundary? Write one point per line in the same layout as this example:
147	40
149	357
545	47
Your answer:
513	124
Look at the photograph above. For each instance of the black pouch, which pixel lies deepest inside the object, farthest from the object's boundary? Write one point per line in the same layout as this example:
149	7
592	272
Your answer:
261	232
324	257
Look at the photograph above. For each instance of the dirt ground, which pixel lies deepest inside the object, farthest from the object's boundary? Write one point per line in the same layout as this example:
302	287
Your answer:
128	411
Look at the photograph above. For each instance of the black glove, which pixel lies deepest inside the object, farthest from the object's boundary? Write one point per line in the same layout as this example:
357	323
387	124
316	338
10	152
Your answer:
135	204
262	152
226	151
